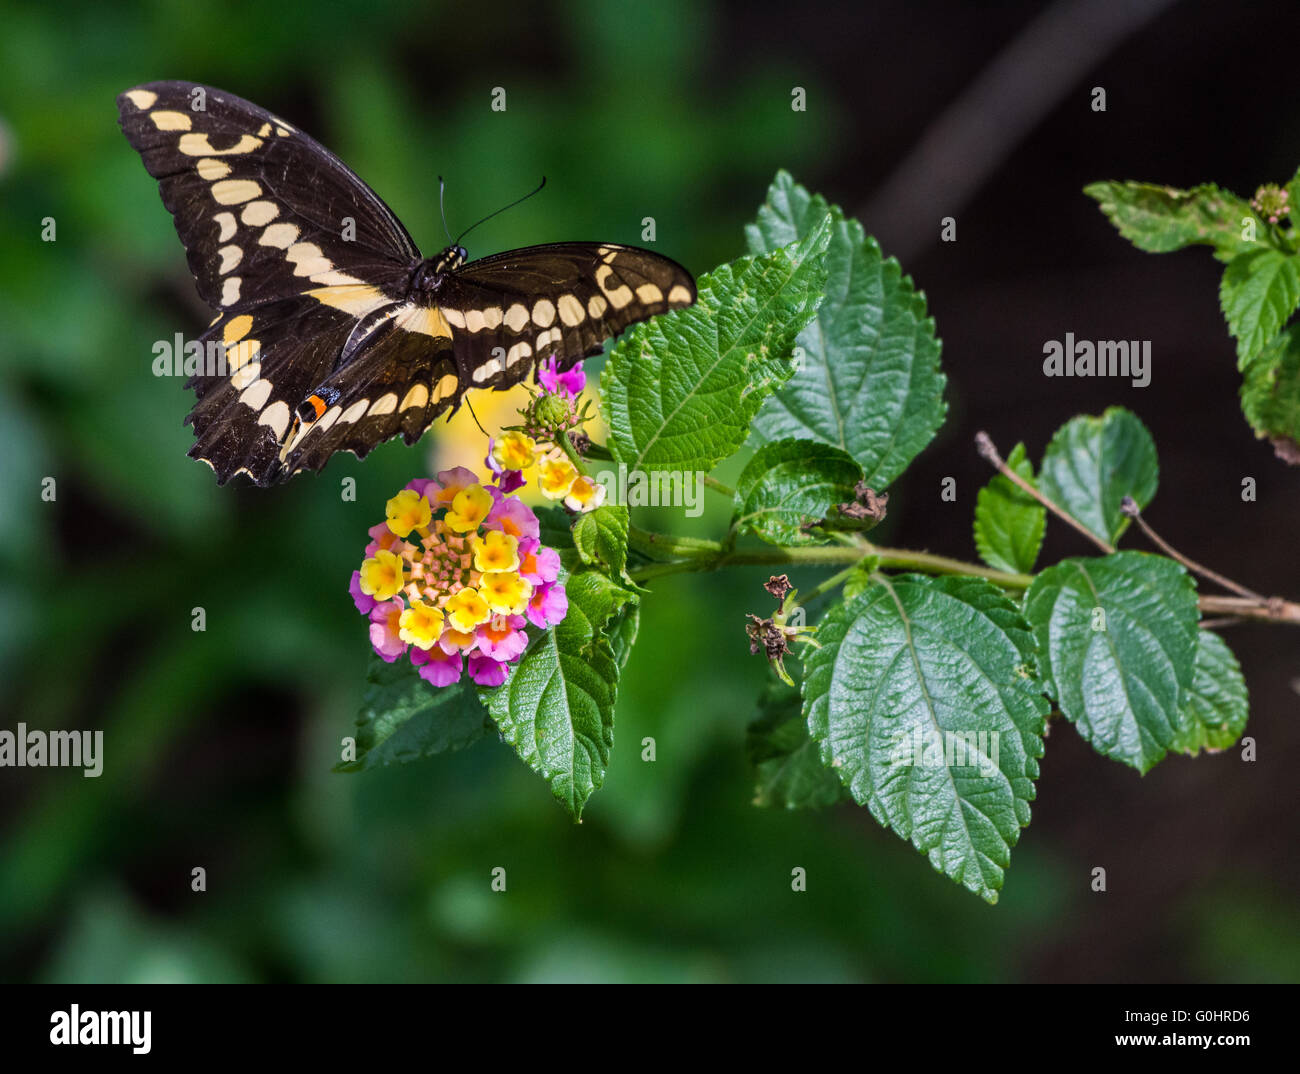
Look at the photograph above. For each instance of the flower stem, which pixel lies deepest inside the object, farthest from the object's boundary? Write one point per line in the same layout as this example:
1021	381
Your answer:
717	486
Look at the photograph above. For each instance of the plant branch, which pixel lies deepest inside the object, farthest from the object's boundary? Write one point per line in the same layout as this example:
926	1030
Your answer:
1129	507
984	445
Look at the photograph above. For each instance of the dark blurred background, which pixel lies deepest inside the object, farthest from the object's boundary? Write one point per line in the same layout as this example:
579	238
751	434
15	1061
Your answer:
218	745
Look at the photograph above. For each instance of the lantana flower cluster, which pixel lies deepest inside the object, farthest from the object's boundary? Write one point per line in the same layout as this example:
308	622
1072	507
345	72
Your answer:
453	577
553	413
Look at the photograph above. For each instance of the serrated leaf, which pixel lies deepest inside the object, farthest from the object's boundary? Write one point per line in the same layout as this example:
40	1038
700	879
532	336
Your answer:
680	391
1093	463
1117	649
1163	218
600	536
789	772
1214	712
790	483
1009	523
908	670
403	718
869	382
1258	294
557	707
1270	394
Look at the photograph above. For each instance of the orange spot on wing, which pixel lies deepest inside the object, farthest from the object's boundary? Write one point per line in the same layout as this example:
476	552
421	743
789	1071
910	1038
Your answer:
317	404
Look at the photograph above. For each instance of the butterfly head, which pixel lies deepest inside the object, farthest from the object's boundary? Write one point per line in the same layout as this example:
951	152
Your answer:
450	258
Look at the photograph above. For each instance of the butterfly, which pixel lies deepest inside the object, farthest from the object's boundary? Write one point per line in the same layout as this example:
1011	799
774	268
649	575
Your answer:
336	333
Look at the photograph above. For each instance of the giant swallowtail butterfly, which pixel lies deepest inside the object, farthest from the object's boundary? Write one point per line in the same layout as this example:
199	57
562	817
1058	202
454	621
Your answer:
337	333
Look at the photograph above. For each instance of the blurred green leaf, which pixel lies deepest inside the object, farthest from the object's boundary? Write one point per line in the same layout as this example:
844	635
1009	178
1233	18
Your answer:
404	719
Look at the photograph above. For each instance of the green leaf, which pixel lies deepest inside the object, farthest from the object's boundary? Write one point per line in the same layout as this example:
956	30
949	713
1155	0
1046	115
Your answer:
554	527
1293	193
403	718
1093	463
787	761
909	670
789	483
600	536
1214	712
622	632
869	381
1009	523
1270	394
557	707
1259	292
680	391
1162	218
1117	648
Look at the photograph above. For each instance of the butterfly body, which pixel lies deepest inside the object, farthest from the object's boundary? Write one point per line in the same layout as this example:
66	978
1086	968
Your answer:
337	333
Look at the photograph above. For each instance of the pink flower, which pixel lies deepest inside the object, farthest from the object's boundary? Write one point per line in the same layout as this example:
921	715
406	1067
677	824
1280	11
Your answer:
382	537
420	486
363	601
549	604
485	671
384	629
511	515
555	382
503	637
538	564
437	667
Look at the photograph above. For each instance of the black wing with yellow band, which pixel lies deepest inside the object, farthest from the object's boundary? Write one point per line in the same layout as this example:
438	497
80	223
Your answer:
337	334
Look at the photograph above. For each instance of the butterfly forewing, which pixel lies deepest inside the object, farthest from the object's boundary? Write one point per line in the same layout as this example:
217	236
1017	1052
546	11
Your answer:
336	335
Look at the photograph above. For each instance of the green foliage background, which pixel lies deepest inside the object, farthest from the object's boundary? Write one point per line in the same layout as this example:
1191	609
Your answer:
219	745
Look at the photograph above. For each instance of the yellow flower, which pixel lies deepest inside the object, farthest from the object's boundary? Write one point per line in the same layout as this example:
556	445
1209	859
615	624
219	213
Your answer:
407	511
467	609
555	477
381	576
585	495
514	451
420	624
457	639
496	551
506	592
468	509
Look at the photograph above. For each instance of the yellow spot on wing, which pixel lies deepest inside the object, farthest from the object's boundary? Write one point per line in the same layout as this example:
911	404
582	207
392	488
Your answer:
170	121
356	299
544	313
277	417
196	144
649	294
230	257
516	317
246	375
142	98
385	404
212	169
237	328
279	235
418	396
225	221
571	312
445	387
254	397
680	295
242	353
233	191
230	290
427	320
257	213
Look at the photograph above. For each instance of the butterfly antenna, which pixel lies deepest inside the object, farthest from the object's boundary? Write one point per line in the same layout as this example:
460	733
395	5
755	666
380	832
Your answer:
475	417
442	208
503	208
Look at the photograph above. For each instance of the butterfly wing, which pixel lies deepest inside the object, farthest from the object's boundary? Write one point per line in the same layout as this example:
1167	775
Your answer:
326	345
263	210
510	311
